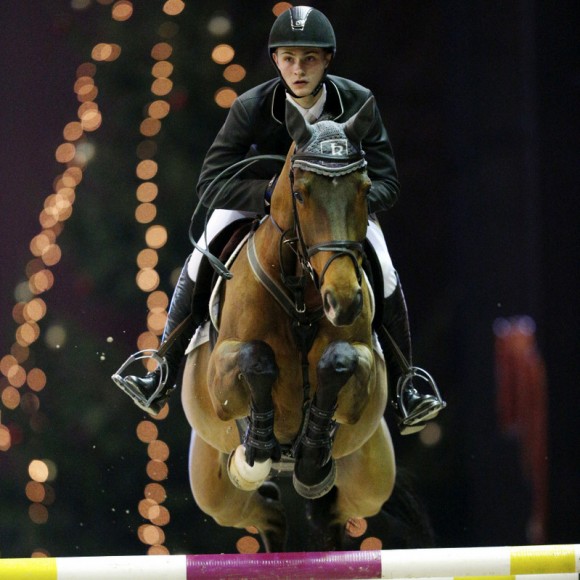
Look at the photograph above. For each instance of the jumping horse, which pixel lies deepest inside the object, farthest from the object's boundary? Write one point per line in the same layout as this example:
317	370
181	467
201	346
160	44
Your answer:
295	379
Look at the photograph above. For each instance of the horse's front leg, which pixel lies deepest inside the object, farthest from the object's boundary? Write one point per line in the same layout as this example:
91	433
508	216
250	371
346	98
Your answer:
250	464
315	470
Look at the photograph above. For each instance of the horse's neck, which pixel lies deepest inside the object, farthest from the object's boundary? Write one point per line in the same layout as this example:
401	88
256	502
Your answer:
281	202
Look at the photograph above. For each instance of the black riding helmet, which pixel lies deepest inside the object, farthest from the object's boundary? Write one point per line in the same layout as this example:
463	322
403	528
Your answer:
302	26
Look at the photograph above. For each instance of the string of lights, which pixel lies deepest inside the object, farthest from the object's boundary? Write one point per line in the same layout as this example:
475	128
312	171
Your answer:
147	279
20	386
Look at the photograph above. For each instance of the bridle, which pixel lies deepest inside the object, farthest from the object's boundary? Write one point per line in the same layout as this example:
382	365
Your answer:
329	166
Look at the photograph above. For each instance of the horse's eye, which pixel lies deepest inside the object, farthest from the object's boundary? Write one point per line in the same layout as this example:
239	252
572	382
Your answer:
298	197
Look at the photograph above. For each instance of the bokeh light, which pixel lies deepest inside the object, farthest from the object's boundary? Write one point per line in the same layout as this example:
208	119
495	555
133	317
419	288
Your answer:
38	513
219	25
5	438
161	87
161	51
38	470
145	213
36	379
150	127
157	470
147	258
173	7
156	492
280	7
147	191
248	545
159	109
146	169
162	69
225	97
122	10
147	280
55	336
223	54
156	322
156	237
147	431
147	340
234	73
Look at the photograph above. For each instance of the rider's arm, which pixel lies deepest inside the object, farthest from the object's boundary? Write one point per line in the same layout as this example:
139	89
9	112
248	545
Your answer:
381	167
232	144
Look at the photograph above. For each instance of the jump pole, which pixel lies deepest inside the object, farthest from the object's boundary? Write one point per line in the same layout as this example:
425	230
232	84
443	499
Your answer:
550	562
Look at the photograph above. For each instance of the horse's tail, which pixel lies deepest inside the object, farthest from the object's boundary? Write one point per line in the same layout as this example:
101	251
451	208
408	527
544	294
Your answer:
405	517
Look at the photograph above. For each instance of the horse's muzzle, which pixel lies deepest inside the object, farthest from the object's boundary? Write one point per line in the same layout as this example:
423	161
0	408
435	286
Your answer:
341	311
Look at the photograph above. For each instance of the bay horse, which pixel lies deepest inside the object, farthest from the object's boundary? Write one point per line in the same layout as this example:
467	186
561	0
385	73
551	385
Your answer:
295	379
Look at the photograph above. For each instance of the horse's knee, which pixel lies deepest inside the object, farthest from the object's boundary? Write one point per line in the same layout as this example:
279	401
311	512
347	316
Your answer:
257	365
256	360
338	362
336	366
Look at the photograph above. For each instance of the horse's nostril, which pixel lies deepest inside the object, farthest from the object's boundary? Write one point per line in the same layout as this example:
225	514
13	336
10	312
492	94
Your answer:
330	302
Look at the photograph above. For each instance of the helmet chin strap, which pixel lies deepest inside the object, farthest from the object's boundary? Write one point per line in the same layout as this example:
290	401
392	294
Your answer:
292	93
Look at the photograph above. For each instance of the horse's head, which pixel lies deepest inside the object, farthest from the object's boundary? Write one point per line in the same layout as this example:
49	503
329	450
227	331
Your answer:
330	187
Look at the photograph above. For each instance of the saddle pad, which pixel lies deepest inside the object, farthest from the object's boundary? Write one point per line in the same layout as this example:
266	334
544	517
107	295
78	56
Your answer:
200	337
214	301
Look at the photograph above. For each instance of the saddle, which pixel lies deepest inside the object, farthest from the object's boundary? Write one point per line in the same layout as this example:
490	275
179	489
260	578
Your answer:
222	246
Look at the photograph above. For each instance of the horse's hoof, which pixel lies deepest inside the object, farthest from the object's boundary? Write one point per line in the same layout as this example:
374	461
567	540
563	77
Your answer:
242	475
318	489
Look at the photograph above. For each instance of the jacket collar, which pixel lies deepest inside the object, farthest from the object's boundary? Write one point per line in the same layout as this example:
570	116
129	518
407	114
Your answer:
333	106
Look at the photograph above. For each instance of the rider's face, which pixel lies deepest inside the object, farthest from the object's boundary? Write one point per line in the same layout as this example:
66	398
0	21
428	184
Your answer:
302	68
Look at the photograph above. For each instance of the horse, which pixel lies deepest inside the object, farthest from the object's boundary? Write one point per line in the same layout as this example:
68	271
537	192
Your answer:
295	380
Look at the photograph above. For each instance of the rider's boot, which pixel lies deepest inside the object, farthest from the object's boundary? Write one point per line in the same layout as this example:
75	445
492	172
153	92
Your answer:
412	408
145	387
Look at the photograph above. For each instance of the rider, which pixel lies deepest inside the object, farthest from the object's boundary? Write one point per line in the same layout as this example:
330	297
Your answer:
302	46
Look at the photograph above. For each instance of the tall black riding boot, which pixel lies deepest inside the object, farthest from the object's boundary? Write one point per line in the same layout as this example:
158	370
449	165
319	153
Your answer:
413	409
151	392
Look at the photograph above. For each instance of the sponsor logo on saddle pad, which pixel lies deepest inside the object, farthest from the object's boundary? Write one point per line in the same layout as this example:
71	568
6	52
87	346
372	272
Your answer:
334	147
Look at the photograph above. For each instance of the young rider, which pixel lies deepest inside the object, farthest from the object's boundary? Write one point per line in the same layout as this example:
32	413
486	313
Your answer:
302	46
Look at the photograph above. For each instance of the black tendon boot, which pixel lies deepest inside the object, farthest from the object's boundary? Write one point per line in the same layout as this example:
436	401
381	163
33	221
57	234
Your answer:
151	392
413	409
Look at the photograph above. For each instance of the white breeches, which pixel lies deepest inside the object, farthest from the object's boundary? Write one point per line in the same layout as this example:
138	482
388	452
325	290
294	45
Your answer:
221	218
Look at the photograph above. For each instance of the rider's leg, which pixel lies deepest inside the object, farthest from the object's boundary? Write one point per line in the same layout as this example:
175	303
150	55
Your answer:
179	311
412	408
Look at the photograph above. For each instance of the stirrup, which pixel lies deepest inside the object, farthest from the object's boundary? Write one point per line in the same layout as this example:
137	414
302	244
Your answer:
410	420
138	397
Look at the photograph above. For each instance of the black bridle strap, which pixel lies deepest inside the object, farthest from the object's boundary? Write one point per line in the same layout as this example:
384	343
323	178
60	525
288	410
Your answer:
339	248
299	314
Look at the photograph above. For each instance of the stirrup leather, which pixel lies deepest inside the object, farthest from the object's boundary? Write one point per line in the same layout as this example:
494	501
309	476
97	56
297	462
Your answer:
421	415
138	397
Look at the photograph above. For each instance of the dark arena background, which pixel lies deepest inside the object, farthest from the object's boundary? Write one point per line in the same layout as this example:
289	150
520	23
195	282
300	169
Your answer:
107	108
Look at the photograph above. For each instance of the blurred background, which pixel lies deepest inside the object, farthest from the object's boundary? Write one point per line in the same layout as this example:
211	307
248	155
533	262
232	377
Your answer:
107	109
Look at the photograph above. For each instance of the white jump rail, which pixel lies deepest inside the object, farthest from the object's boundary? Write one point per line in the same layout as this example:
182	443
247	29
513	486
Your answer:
549	562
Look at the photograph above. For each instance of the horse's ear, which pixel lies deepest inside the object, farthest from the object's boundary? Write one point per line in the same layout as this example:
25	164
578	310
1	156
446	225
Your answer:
357	127
298	128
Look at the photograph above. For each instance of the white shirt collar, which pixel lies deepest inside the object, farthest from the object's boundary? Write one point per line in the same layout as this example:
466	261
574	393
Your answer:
312	114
